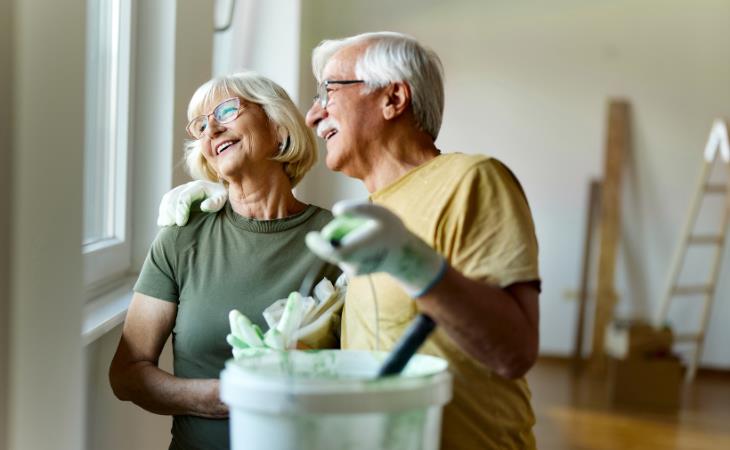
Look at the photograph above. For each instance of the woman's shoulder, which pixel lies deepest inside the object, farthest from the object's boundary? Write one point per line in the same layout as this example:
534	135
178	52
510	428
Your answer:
197	220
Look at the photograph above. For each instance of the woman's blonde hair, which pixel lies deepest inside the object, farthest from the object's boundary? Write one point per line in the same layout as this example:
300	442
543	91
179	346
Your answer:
298	151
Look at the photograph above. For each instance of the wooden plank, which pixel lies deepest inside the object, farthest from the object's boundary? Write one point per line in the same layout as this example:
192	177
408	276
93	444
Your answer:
695	289
592	211
715	188
688	337
617	145
706	239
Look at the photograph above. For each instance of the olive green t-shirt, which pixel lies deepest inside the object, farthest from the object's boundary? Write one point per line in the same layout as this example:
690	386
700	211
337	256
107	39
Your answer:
218	262
472	210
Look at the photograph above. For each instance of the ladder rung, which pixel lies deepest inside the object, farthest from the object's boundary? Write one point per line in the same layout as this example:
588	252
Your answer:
700	239
689	337
715	188
691	290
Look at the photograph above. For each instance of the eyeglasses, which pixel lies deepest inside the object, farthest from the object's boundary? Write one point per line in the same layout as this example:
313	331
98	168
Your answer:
227	111
323	93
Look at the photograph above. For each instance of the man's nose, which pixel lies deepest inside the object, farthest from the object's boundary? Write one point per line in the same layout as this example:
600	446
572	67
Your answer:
315	114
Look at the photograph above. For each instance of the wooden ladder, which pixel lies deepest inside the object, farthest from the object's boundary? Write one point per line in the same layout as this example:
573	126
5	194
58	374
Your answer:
717	143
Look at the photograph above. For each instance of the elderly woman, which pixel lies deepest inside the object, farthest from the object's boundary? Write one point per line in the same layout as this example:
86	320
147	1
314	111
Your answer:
248	135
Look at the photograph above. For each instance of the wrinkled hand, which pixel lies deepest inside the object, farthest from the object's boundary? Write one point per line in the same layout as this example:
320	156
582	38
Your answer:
365	238
175	205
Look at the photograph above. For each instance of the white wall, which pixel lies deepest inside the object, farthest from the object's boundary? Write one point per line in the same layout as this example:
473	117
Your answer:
116	425
263	37
528	82
193	66
45	408
6	136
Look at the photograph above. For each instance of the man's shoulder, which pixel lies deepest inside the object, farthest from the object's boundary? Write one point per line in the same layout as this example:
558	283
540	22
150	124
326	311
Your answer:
469	167
462	163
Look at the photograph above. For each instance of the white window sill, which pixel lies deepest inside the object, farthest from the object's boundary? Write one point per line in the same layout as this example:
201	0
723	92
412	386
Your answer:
106	311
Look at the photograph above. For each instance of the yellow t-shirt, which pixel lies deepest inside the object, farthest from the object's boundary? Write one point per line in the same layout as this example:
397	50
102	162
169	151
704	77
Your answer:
472	210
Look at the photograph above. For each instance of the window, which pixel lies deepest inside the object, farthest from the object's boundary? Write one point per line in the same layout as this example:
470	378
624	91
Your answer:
106	239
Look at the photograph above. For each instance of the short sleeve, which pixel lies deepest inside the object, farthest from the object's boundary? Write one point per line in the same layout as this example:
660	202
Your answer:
157	277
486	230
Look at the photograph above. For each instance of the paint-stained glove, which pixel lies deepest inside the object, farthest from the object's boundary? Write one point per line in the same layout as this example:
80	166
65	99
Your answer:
245	337
365	238
308	320
175	205
319	327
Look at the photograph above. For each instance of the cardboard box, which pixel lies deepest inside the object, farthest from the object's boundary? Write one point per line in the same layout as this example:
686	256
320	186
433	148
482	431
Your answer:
635	338
645	382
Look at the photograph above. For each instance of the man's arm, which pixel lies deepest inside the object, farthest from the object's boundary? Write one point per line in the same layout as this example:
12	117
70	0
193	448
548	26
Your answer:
135	376
498	327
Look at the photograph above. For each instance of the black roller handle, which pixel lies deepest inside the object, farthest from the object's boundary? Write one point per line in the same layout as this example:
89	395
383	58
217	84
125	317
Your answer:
314	273
311	278
409	343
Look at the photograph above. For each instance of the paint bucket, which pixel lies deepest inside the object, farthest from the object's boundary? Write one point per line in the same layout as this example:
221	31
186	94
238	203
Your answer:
330	400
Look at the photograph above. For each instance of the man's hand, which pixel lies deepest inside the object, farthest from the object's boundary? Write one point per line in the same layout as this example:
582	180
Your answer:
175	205
365	238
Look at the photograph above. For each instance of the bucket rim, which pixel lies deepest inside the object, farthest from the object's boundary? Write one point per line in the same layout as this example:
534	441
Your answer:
247	389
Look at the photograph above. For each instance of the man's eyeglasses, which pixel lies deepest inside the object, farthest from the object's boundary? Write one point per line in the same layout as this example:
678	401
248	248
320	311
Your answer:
226	111
322	91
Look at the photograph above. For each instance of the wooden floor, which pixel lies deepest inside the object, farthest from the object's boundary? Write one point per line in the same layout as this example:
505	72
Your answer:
573	413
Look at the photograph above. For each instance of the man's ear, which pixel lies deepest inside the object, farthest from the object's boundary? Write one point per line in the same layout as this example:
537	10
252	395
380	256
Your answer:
397	100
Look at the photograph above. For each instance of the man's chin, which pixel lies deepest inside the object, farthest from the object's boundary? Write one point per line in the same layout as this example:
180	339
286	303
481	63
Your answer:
333	161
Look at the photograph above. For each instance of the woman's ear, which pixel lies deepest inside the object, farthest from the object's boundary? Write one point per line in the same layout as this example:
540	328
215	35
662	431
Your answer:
283	137
398	98
284	144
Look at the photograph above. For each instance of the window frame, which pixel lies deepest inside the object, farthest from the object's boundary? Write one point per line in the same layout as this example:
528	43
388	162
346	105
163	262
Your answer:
107	261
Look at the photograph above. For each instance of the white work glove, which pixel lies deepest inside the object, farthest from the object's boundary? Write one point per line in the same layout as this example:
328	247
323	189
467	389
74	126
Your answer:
365	238
320	314
175	205
246	337
291	320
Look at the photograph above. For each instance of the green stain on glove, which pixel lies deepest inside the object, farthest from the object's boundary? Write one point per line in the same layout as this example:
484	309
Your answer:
336	230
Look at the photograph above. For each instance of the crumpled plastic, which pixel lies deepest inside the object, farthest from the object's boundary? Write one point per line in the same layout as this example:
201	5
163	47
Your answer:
311	322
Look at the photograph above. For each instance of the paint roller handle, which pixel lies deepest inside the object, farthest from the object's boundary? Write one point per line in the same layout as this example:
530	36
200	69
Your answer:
412	338
315	273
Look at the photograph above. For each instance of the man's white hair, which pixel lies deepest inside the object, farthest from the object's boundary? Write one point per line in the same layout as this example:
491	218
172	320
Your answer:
392	57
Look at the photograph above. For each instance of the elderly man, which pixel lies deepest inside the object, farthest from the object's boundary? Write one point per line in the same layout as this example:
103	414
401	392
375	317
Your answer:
455	237
379	109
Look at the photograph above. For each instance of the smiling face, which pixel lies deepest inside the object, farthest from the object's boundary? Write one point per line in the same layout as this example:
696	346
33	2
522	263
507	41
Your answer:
351	120
242	147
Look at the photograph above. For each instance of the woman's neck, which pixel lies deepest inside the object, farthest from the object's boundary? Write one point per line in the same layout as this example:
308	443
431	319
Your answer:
265	198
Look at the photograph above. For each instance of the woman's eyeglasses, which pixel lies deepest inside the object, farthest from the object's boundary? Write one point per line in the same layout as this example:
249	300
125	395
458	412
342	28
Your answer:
226	111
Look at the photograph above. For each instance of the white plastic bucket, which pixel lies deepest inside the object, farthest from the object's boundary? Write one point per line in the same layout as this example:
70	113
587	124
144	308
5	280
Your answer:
330	400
